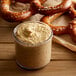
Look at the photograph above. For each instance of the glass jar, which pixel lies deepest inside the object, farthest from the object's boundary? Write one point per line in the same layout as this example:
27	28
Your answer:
33	56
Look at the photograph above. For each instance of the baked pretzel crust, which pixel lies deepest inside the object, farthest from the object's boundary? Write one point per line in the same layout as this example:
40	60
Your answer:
23	1
29	1
12	16
57	30
72	29
72	10
52	10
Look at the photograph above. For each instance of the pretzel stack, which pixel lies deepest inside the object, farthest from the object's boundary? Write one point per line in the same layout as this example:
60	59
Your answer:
50	10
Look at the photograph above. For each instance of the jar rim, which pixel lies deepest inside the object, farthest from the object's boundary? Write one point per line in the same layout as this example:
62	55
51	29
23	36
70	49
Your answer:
30	45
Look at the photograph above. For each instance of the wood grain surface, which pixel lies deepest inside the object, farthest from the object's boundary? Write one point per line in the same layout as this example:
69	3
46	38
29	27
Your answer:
54	68
63	62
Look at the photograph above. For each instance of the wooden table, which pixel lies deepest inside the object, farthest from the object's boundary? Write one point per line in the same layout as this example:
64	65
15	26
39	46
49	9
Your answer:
63	62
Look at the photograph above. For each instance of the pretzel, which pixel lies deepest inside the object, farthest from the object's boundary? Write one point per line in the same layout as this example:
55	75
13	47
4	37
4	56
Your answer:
72	29
63	6
72	10
28	1
23	1
57	30
13	16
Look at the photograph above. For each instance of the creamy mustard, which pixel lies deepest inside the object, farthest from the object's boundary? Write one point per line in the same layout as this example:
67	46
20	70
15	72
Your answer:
33	33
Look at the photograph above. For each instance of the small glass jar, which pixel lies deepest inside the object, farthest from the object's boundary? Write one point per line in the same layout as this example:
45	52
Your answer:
33	57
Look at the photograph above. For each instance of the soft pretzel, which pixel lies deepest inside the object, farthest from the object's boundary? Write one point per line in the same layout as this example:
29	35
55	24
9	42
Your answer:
28	1
72	29
72	10
57	30
13	16
23	1
50	10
